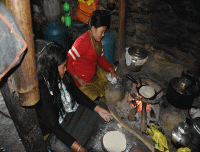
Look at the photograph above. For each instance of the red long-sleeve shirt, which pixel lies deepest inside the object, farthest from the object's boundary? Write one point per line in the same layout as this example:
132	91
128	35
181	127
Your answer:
82	59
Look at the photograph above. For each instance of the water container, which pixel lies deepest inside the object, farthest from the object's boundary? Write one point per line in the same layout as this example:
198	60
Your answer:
108	45
57	32
135	58
52	10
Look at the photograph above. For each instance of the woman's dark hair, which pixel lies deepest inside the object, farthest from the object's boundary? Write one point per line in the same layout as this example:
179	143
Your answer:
48	60
100	18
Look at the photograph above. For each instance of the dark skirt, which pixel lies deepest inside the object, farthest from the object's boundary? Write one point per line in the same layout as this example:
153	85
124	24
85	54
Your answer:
81	124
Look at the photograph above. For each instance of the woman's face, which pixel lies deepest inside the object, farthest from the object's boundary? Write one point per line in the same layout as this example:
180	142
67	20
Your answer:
62	68
98	33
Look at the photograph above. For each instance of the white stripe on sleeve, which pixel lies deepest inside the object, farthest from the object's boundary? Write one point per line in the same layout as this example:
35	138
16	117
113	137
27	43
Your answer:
72	55
75	51
102	53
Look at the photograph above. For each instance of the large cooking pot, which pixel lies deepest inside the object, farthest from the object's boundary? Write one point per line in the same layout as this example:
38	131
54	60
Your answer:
182	91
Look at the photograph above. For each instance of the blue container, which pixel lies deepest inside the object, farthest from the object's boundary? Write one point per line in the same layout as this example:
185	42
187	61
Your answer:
108	45
57	32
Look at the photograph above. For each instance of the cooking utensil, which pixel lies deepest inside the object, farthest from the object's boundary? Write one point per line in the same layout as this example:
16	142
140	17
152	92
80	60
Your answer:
181	135
182	91
138	88
136	57
194	112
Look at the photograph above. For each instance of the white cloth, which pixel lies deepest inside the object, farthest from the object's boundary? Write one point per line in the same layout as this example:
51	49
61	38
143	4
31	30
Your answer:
66	100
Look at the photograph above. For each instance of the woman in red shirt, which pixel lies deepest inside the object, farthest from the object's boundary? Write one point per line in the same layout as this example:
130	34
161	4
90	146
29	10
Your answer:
86	61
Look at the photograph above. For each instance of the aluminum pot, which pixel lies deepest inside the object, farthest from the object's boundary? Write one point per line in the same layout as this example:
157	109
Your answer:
196	132
181	135
136	57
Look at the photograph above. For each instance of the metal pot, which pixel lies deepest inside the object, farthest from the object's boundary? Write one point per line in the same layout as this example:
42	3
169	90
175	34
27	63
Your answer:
196	132
135	58
181	135
182	91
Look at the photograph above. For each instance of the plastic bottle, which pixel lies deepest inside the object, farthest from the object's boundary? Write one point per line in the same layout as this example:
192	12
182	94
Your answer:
67	17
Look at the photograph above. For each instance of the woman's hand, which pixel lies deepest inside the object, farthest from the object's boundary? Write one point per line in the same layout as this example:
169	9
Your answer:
114	74
80	81
76	147
103	113
82	150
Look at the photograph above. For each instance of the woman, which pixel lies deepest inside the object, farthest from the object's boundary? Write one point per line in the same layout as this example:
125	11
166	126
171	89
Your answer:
62	106
86	55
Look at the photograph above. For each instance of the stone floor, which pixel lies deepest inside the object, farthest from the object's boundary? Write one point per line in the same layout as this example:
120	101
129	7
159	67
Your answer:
160	64
9	138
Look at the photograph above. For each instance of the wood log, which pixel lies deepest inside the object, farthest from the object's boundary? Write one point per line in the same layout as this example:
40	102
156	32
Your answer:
25	76
131	115
144	118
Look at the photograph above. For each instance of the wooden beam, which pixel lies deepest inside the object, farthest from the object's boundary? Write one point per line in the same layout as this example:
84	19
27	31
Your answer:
121	43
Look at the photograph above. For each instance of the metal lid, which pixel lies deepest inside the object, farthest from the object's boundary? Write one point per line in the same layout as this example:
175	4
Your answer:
136	51
196	124
184	128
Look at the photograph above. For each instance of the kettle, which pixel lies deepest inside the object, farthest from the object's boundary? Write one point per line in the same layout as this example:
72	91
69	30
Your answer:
181	135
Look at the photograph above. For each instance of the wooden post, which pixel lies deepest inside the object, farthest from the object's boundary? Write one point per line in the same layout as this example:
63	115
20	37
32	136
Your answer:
121	44
21	88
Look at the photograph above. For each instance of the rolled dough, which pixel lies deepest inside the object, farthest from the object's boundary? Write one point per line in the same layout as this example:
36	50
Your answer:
114	141
147	91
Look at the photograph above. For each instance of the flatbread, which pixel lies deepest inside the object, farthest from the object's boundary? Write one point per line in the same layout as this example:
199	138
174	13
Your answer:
147	91
114	141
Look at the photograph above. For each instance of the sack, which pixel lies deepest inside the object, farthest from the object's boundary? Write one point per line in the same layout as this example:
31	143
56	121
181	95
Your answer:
85	9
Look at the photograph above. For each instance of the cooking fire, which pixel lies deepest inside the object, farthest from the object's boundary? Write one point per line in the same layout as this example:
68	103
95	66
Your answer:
138	108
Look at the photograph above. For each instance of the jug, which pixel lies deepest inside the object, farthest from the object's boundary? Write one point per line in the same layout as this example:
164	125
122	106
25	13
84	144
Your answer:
181	135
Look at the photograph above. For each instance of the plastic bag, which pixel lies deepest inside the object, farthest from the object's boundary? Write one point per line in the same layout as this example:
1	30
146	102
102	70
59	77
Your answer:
84	10
184	149
159	138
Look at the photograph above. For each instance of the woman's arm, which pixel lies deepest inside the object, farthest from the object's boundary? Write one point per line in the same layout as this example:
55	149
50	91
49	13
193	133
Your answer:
75	53
103	62
49	117
106	65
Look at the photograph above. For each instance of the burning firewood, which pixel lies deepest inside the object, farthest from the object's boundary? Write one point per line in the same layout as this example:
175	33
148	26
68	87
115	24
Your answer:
131	115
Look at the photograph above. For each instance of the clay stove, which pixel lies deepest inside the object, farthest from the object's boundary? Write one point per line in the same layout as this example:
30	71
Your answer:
140	112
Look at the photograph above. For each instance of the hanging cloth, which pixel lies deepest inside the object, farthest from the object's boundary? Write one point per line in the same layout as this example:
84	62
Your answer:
12	44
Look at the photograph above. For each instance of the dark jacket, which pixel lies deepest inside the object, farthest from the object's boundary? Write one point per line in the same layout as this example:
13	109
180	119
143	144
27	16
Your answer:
48	112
